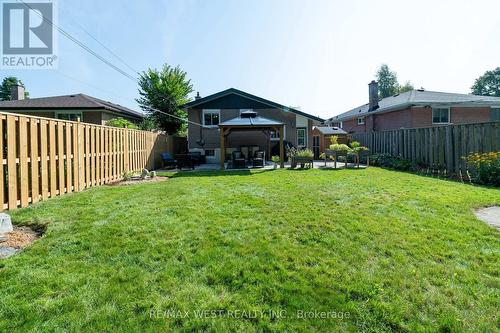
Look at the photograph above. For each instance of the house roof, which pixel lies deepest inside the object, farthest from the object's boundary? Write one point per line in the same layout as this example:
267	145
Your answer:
420	98
257	121
327	130
233	91
74	102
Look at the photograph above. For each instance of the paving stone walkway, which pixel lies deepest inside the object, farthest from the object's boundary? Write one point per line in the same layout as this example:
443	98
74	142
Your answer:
490	215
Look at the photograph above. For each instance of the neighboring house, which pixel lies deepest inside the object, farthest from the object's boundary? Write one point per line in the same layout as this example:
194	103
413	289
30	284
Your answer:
228	105
417	108
70	107
322	138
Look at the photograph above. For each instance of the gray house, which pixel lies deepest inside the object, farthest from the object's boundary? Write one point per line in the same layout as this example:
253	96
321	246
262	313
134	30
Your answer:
251	123
69	107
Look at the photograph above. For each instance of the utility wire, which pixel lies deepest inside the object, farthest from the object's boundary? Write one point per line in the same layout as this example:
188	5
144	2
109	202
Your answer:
83	46
107	49
107	62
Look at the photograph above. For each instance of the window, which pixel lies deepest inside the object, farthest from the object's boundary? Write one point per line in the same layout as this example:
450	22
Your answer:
495	114
73	116
301	137
209	152
276	135
211	117
440	115
341	125
361	120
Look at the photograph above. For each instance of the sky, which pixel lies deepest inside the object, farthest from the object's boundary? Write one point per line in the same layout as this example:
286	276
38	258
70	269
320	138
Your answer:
316	55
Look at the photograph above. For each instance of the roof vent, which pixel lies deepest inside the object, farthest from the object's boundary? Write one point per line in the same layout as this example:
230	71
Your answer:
396	95
421	89
248	114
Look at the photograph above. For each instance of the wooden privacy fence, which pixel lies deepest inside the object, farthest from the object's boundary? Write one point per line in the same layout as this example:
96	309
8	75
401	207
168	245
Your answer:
42	157
440	147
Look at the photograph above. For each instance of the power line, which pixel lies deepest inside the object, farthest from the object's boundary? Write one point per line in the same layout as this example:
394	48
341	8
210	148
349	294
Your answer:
106	48
83	46
105	61
125	98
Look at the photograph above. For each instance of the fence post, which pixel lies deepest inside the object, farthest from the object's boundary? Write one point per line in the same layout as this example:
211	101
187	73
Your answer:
11	161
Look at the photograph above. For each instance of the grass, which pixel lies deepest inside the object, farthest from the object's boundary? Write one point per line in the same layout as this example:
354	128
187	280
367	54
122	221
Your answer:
376	250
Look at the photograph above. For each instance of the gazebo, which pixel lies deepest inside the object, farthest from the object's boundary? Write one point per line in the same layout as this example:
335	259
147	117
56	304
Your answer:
250	121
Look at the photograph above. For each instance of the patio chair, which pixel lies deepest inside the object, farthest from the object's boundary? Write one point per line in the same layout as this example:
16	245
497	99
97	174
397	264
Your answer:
197	157
168	160
184	161
258	159
238	160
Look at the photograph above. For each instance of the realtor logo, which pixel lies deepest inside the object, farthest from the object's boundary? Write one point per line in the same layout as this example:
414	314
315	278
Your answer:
28	34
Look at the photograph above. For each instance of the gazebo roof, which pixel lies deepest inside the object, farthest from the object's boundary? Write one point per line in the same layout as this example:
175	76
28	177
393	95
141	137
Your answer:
247	120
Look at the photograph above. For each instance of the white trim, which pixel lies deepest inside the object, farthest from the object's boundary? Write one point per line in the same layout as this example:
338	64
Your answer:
212	111
441	123
361	120
305	136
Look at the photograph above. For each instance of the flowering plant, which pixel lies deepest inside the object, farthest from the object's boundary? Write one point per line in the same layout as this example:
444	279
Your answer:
485	167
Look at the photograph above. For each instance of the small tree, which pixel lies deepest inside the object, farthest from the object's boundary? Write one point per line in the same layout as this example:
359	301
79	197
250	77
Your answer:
165	90
121	123
6	88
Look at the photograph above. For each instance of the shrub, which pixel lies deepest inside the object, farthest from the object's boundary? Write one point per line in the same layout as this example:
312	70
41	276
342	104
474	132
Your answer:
121	122
485	168
276	159
391	161
305	153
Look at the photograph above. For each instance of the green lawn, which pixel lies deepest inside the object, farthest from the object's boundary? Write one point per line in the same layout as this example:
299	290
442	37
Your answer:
374	250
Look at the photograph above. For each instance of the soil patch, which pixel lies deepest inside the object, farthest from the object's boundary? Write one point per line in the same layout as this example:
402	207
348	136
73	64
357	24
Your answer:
16	240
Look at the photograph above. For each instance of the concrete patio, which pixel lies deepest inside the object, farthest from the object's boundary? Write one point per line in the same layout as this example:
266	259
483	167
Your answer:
317	164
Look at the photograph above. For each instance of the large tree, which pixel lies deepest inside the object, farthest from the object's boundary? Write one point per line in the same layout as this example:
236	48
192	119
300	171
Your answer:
165	90
6	88
488	84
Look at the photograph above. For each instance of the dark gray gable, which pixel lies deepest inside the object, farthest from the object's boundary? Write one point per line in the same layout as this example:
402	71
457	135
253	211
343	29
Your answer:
237	99
233	101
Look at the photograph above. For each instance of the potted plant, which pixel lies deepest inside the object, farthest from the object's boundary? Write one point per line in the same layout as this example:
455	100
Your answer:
337	149
356	149
276	160
303	157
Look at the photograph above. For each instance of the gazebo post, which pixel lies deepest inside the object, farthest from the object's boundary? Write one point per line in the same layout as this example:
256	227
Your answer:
282	149
222	149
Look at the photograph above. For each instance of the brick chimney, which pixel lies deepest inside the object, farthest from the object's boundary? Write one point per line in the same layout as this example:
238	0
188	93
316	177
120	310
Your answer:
372	95
17	92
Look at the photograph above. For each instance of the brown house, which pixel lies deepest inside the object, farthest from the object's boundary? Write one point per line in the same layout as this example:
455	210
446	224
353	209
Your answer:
69	107
229	108
417	108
